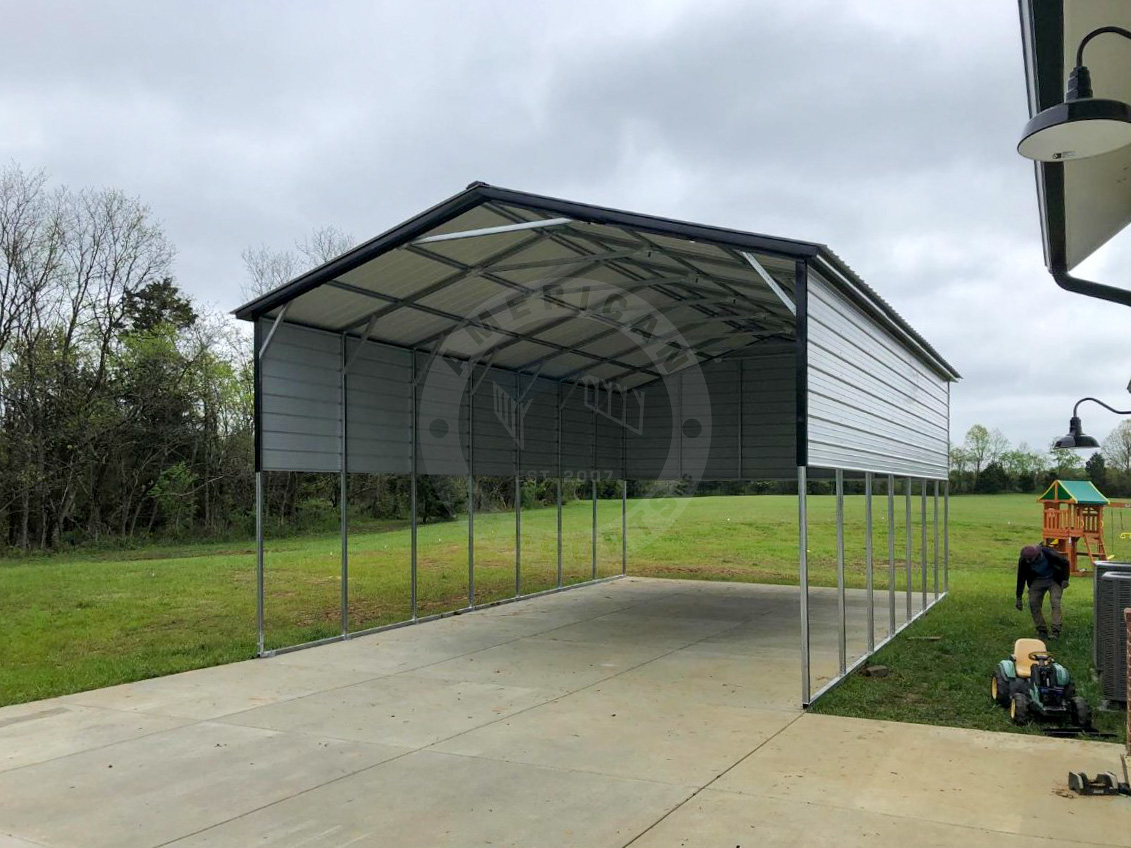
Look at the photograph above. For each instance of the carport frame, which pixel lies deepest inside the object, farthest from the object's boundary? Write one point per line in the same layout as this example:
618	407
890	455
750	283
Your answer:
637	228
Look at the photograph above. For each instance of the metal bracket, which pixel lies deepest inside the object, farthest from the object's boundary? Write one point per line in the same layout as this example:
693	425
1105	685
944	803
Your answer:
770	281
271	334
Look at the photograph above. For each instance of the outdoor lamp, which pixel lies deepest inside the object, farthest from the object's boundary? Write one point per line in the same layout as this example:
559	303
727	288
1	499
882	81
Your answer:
1082	125
1076	439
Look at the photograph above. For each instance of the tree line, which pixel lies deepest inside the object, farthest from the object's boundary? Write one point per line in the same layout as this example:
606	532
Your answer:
126	408
985	462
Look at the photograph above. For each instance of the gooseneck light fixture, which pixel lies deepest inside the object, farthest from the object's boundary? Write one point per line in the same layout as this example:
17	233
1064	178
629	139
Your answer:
1082	125
1076	438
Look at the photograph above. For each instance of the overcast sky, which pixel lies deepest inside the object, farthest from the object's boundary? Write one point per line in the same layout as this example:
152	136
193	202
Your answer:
884	129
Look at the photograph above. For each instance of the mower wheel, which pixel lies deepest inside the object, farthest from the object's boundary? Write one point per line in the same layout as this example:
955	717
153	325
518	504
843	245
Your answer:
1019	708
1000	688
1081	712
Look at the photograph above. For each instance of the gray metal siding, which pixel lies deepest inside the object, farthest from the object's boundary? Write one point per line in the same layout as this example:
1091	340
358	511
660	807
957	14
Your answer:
539	454
441	397
577	433
300	400
769	409
873	405
378	409
494	446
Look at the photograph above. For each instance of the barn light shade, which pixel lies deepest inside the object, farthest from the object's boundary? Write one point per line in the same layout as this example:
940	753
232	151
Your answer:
1076	438
1081	126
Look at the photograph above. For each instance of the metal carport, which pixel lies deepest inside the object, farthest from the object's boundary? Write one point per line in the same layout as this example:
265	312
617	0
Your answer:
761	358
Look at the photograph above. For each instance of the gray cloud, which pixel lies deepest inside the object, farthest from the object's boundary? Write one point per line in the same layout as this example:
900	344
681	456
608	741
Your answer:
886	129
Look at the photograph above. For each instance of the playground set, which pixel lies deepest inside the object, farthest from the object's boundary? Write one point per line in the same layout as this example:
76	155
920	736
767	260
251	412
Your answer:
1074	521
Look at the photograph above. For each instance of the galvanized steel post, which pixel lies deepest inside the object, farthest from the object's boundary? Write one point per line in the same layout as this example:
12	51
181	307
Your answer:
471	490
946	538
624	527
343	499
891	555
935	537
907	564
594	528
259	561
868	581
413	580
923	540
803	579
842	643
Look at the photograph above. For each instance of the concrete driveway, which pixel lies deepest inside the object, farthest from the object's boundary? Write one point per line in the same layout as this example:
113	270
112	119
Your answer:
639	712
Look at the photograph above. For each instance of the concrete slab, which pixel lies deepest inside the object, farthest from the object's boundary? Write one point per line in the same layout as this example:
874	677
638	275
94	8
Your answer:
211	692
585	718
543	662
1004	782
406	710
149	791
715	819
44	730
608	729
431	799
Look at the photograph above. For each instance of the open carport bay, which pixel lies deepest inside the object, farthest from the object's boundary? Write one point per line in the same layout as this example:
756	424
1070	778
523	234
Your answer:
639	711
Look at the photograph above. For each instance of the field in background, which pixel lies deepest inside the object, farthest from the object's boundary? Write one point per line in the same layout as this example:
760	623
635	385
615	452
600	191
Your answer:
75	622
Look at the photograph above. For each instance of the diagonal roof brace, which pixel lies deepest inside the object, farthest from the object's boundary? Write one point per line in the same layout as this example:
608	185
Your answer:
770	281
491	231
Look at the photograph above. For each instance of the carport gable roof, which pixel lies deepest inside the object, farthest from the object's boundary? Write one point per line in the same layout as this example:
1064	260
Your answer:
725	289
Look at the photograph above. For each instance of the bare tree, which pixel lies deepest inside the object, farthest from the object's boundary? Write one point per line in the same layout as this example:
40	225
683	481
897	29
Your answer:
1117	447
268	269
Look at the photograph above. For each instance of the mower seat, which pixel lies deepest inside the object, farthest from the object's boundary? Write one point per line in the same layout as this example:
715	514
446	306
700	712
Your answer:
1021	650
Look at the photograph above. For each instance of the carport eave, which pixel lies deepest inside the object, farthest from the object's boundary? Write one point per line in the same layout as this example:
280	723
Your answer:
478	194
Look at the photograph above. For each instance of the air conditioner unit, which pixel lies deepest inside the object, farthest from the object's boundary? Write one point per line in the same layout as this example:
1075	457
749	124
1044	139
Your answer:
1112	596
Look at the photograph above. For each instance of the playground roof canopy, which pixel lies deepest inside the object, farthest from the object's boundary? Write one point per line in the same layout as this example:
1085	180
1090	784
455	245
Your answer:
1074	491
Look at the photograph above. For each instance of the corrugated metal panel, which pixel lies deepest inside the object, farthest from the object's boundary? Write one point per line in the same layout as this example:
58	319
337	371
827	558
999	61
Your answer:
442	417
300	400
653	449
398	274
495	423
577	433
873	405
378	409
539	453
736	422
769	411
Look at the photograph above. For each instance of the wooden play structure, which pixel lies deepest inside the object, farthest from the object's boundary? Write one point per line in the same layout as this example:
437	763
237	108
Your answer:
1074	521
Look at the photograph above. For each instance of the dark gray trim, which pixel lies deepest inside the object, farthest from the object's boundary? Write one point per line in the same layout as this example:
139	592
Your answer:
801	362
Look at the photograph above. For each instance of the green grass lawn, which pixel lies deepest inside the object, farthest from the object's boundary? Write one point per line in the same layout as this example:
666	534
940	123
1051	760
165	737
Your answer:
73	622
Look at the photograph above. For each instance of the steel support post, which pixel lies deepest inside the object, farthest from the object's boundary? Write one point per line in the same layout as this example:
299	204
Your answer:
559	449
624	527
413	580
946	537
259	561
343	502
803	579
517	535
593	489
868	557
907	540
842	636
923	541
935	539
471	491
891	555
